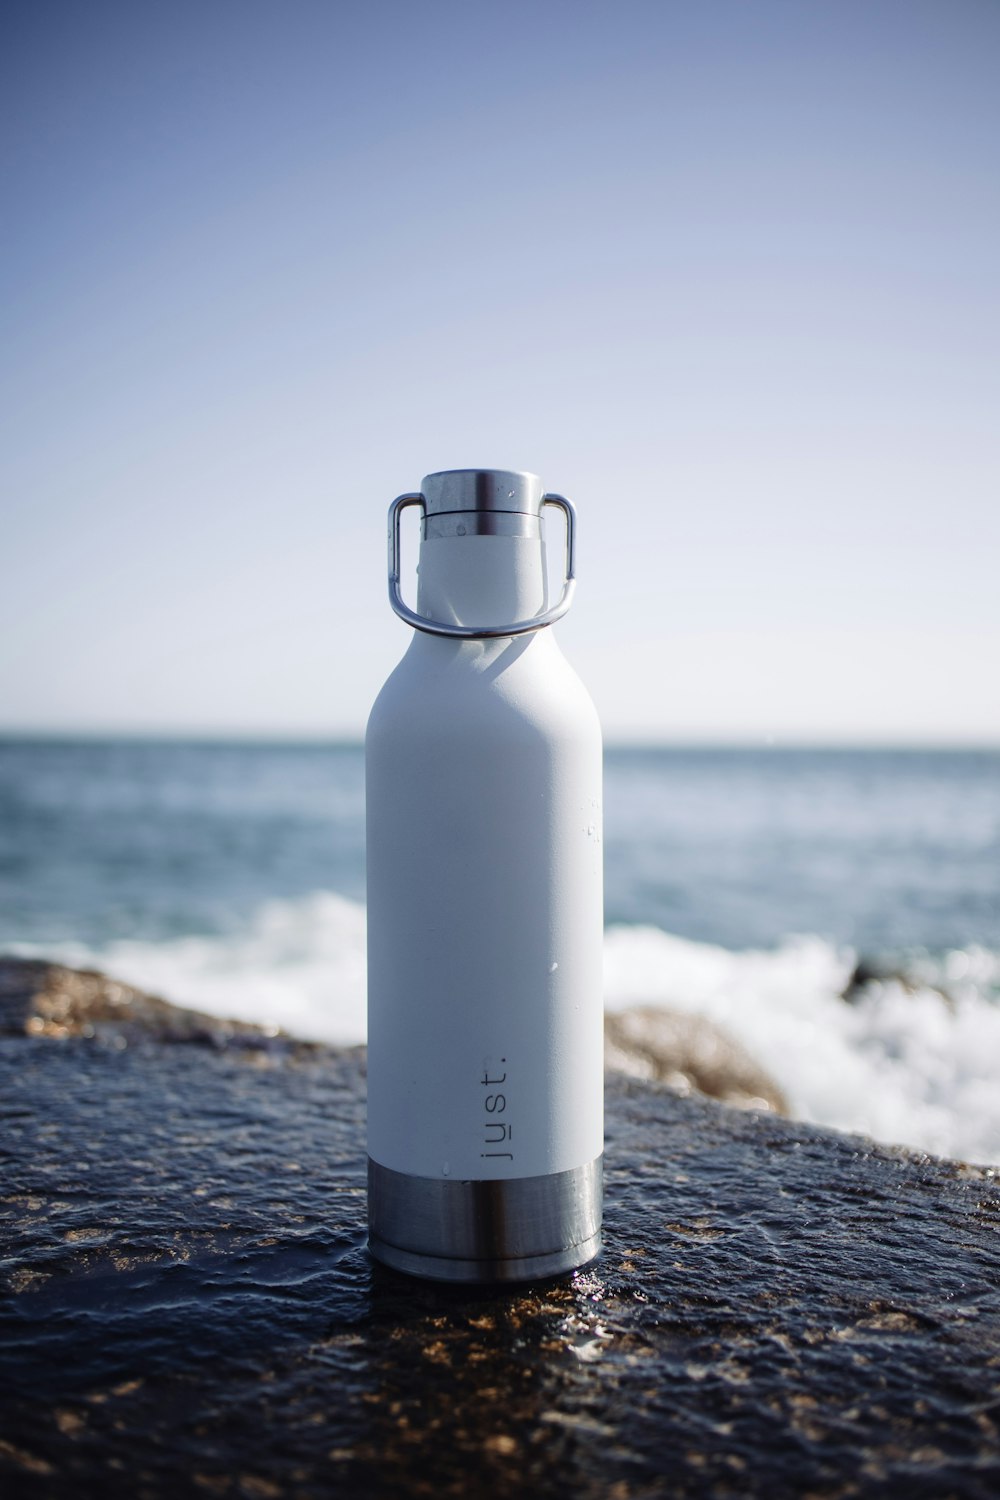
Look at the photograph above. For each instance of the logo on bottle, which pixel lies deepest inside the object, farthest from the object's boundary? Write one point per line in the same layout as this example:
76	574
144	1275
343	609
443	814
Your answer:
496	1123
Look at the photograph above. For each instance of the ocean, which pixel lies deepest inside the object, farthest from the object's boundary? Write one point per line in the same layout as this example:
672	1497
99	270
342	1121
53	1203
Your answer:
744	885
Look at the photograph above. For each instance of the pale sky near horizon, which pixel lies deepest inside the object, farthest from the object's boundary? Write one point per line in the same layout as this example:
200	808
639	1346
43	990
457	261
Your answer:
726	273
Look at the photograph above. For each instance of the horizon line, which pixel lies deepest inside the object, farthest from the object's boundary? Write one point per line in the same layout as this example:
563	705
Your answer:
353	739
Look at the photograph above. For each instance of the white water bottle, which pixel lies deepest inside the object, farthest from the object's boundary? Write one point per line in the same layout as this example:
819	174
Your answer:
485	905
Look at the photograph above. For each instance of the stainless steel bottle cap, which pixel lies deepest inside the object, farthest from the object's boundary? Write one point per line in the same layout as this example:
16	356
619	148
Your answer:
481	490
458	503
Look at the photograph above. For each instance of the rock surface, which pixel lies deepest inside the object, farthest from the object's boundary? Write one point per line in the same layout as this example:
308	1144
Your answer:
189	1308
690	1054
45	999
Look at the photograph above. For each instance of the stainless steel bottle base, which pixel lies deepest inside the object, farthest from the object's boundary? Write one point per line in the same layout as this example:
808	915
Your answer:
513	1230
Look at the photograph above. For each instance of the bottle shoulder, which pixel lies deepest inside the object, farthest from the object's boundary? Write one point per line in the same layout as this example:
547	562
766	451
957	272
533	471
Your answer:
511	686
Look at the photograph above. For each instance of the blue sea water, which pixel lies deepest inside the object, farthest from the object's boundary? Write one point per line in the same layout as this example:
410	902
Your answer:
744	884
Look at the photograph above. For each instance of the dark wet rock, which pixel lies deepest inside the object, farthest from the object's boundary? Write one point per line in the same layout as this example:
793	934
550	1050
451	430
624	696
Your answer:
189	1308
689	1054
870	977
864	973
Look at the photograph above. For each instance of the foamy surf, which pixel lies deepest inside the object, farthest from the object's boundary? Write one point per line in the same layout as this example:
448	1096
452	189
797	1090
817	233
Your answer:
905	1062
912	1061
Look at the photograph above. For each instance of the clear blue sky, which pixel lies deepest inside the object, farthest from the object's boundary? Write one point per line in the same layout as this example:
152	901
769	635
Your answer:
726	272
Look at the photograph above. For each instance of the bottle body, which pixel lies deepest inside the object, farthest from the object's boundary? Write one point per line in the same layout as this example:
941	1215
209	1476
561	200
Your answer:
485	912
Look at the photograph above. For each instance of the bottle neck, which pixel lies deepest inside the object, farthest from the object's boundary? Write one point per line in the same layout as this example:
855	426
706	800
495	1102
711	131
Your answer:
481	579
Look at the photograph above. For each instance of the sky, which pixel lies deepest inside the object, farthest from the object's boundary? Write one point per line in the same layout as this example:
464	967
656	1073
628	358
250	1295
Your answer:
725	273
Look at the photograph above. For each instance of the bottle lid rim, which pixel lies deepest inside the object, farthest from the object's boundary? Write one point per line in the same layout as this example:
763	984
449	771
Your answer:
456	490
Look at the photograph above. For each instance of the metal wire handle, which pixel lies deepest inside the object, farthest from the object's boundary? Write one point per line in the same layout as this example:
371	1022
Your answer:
479	632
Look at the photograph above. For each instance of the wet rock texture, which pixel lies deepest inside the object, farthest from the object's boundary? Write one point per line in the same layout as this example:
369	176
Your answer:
189	1307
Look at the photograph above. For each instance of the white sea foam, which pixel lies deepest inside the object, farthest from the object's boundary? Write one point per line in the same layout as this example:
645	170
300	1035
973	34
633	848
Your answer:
903	1063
